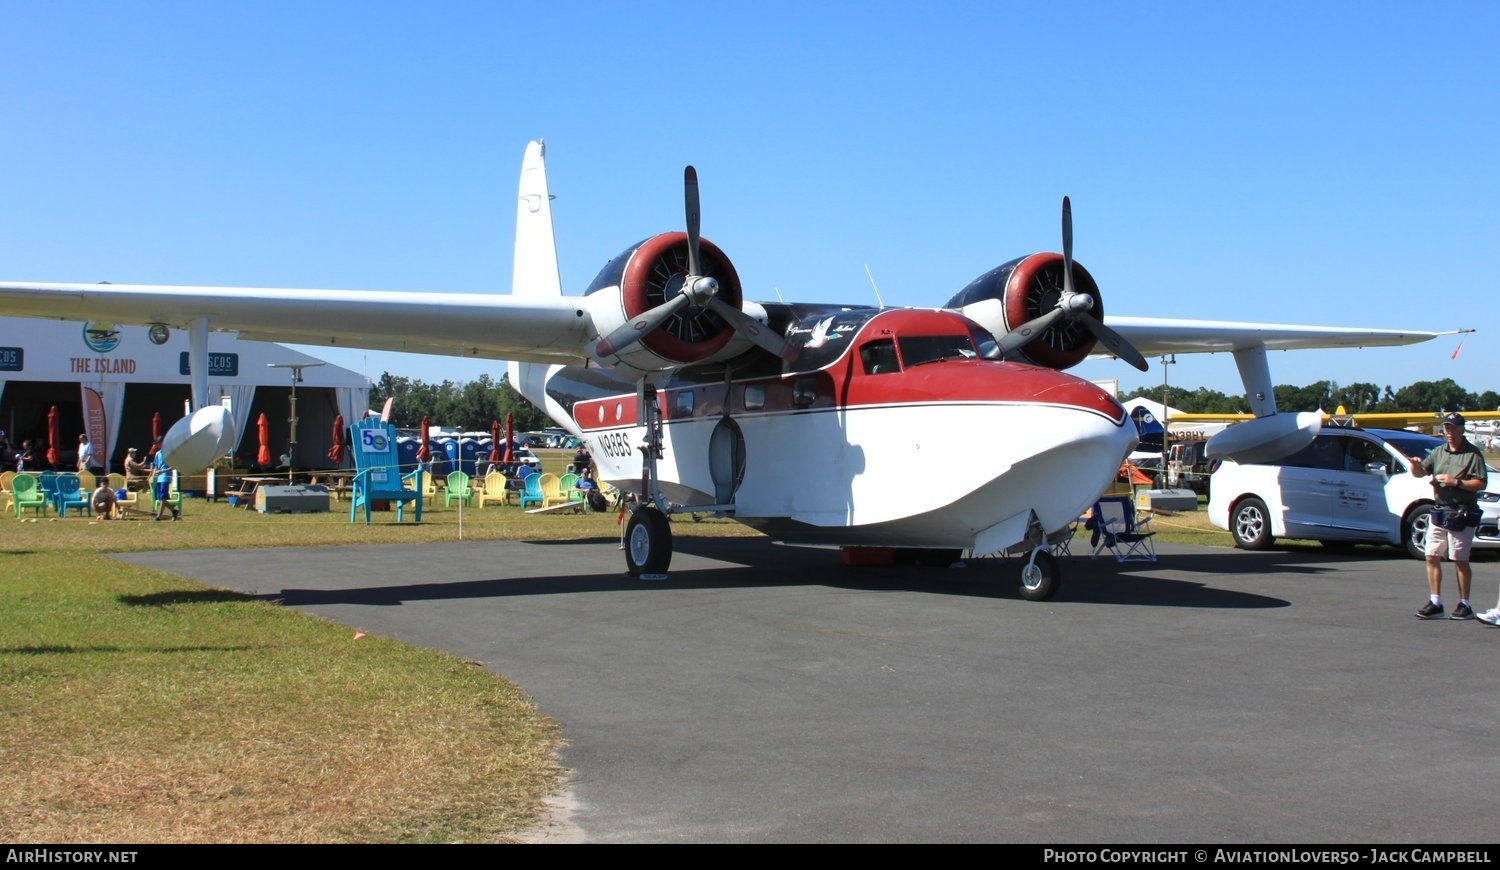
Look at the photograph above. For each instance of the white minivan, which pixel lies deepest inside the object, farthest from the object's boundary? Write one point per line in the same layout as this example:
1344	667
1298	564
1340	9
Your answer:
1349	486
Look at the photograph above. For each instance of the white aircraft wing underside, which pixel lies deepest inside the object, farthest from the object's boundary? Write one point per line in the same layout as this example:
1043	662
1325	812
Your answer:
489	326
1154	336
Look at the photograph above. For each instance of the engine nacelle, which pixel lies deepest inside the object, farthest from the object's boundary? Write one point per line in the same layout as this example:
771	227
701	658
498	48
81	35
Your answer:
647	275
1024	289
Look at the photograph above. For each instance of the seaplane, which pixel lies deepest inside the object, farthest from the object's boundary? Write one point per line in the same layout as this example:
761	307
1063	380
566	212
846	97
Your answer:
814	423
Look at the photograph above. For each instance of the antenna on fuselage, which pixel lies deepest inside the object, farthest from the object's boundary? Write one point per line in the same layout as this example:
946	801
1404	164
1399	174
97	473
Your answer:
873	284
778	295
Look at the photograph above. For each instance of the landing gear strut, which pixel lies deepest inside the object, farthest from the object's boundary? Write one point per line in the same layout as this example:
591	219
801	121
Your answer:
648	535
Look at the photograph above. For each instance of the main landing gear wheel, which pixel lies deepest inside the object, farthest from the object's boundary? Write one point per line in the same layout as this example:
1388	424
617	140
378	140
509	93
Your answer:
648	543
1040	576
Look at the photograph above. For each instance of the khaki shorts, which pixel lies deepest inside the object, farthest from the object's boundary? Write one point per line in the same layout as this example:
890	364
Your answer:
1456	544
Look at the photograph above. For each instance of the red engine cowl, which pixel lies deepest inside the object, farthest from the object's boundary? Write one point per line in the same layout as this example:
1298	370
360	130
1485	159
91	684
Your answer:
1028	287
649	274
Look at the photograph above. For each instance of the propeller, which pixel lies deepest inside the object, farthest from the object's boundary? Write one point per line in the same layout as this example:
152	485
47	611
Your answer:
699	291
1073	306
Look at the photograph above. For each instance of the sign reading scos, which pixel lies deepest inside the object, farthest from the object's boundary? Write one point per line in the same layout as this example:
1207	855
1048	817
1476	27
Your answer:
220	365
12	359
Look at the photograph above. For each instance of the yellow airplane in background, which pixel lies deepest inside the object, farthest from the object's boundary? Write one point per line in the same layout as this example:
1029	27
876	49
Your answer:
1341	417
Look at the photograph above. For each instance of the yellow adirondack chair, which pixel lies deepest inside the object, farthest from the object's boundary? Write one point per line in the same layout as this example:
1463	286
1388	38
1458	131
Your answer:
495	490
125	500
552	491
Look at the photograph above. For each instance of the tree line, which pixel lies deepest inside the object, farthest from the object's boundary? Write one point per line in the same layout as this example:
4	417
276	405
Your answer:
1357	398
471	406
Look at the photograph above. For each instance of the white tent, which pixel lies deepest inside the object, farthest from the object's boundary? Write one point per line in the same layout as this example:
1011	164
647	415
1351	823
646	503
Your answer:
108	381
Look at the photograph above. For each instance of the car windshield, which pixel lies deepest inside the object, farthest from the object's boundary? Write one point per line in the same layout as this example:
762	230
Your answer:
1411	443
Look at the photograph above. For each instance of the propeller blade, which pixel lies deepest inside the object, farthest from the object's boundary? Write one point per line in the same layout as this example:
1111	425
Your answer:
629	333
1114	341
1067	233
694	218
1025	333
753	329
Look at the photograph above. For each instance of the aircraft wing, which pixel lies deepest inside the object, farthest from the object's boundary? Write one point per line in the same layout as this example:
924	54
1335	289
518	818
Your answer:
1154	336
543	329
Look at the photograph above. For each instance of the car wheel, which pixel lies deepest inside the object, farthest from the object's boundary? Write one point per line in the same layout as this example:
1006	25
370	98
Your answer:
1414	529
1251	525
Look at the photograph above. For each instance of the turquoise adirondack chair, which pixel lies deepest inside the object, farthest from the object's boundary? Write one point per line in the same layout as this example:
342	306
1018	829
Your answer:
69	494
377	471
532	494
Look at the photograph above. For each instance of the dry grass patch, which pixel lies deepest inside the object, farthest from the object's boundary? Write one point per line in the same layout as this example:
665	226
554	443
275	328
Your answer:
138	707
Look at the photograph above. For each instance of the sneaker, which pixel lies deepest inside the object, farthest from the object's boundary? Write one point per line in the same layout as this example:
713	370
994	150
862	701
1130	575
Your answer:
1490	617
1462	611
1429	611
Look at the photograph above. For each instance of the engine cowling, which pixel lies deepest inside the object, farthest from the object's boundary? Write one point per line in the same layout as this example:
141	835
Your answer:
1027	287
645	276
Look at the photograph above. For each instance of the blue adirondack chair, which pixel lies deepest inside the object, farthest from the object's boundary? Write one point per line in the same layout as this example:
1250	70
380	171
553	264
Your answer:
69	494
532	494
377	475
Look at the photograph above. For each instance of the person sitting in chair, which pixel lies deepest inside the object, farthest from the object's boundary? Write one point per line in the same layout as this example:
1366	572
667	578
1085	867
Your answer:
136	471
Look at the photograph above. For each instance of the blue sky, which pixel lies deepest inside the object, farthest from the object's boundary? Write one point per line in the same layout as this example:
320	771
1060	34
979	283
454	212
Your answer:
1326	163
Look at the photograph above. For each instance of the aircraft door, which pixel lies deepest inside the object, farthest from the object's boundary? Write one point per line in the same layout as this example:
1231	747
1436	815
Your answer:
726	459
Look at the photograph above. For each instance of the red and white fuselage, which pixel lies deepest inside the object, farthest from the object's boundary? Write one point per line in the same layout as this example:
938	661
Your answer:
955	452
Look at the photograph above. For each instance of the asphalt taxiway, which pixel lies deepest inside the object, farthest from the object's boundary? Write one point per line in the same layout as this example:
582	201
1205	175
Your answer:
768	694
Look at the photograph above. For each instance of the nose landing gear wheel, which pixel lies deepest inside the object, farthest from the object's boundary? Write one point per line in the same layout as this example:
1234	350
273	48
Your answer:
648	544
1040	577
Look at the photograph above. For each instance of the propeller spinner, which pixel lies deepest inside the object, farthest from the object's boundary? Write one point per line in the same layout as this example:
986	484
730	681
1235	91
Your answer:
696	290
1071	305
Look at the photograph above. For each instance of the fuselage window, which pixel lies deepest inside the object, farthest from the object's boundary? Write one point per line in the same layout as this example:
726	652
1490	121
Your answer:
805	392
918	349
879	357
683	407
755	397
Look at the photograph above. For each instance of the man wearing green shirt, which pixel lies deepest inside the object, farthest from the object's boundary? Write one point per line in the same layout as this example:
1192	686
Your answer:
1458	474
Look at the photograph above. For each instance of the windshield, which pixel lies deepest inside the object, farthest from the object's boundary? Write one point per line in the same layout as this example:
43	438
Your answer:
919	349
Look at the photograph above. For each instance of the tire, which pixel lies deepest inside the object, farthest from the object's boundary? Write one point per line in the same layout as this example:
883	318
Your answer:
1250	524
1040	578
648	542
1414	530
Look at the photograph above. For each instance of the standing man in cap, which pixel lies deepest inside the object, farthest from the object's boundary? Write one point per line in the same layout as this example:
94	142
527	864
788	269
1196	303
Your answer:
1458	474
85	454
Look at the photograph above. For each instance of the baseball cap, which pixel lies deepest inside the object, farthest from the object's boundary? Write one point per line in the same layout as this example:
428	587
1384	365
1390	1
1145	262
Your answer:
1454	419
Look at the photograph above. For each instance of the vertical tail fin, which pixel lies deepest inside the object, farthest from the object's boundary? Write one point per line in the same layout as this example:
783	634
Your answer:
535	265
534	268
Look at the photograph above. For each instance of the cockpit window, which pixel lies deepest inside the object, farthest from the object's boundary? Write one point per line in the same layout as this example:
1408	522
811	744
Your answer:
879	357
919	349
